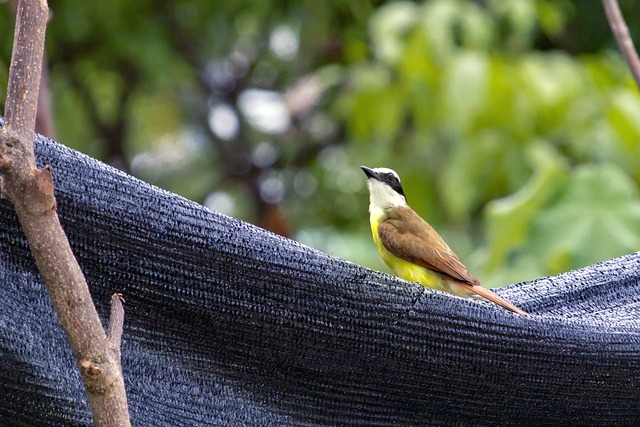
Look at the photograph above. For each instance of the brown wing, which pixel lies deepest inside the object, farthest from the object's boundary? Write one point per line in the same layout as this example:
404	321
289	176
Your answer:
411	238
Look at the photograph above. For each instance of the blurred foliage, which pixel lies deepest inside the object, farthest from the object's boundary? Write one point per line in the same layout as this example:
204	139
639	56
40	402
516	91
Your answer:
502	134
515	126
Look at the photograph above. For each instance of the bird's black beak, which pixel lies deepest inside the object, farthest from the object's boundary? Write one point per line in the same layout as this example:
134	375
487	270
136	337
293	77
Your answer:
369	172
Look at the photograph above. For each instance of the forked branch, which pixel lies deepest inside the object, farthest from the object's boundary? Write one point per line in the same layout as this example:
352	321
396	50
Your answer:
30	190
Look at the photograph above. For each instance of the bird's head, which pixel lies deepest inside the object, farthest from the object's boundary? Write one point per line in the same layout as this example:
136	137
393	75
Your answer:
385	190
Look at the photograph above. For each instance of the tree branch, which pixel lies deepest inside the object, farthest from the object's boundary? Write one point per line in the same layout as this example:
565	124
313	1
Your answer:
44	116
30	190
621	34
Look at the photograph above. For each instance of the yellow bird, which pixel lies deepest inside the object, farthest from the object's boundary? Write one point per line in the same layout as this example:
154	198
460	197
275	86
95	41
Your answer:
412	248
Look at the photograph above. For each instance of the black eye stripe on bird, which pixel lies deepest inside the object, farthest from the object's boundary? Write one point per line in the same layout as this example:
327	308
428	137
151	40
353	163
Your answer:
395	184
412	248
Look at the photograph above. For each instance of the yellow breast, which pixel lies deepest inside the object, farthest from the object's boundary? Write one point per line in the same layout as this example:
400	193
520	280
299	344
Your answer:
402	268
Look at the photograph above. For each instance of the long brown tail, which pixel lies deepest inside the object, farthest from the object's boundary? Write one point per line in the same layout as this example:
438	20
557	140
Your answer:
487	294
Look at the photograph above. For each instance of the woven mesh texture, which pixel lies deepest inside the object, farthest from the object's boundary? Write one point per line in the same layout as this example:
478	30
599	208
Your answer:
227	324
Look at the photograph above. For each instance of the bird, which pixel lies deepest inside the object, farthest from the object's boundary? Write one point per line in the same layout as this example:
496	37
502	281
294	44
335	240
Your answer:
412	248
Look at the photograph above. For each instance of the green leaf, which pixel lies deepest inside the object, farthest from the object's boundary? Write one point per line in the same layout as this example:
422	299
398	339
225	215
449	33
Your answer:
465	89
552	16
624	119
509	219
596	217
388	26
447	24
550	83
481	167
519	17
376	110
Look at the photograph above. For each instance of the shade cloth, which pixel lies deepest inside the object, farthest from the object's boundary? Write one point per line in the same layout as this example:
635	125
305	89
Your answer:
228	324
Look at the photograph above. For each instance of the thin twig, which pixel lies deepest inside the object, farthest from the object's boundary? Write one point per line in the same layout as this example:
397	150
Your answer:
116	321
621	33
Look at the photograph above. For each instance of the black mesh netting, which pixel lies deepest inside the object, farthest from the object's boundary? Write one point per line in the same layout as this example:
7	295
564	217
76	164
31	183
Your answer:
227	324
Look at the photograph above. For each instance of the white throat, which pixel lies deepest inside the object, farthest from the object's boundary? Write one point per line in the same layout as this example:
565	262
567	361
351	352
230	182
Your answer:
382	197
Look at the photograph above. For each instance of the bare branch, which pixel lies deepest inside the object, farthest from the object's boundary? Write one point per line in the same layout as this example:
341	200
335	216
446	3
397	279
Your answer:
22	90
621	33
44	115
30	190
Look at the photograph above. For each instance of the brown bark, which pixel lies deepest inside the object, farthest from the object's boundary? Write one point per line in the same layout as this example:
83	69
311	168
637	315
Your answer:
44	114
621	33
30	190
